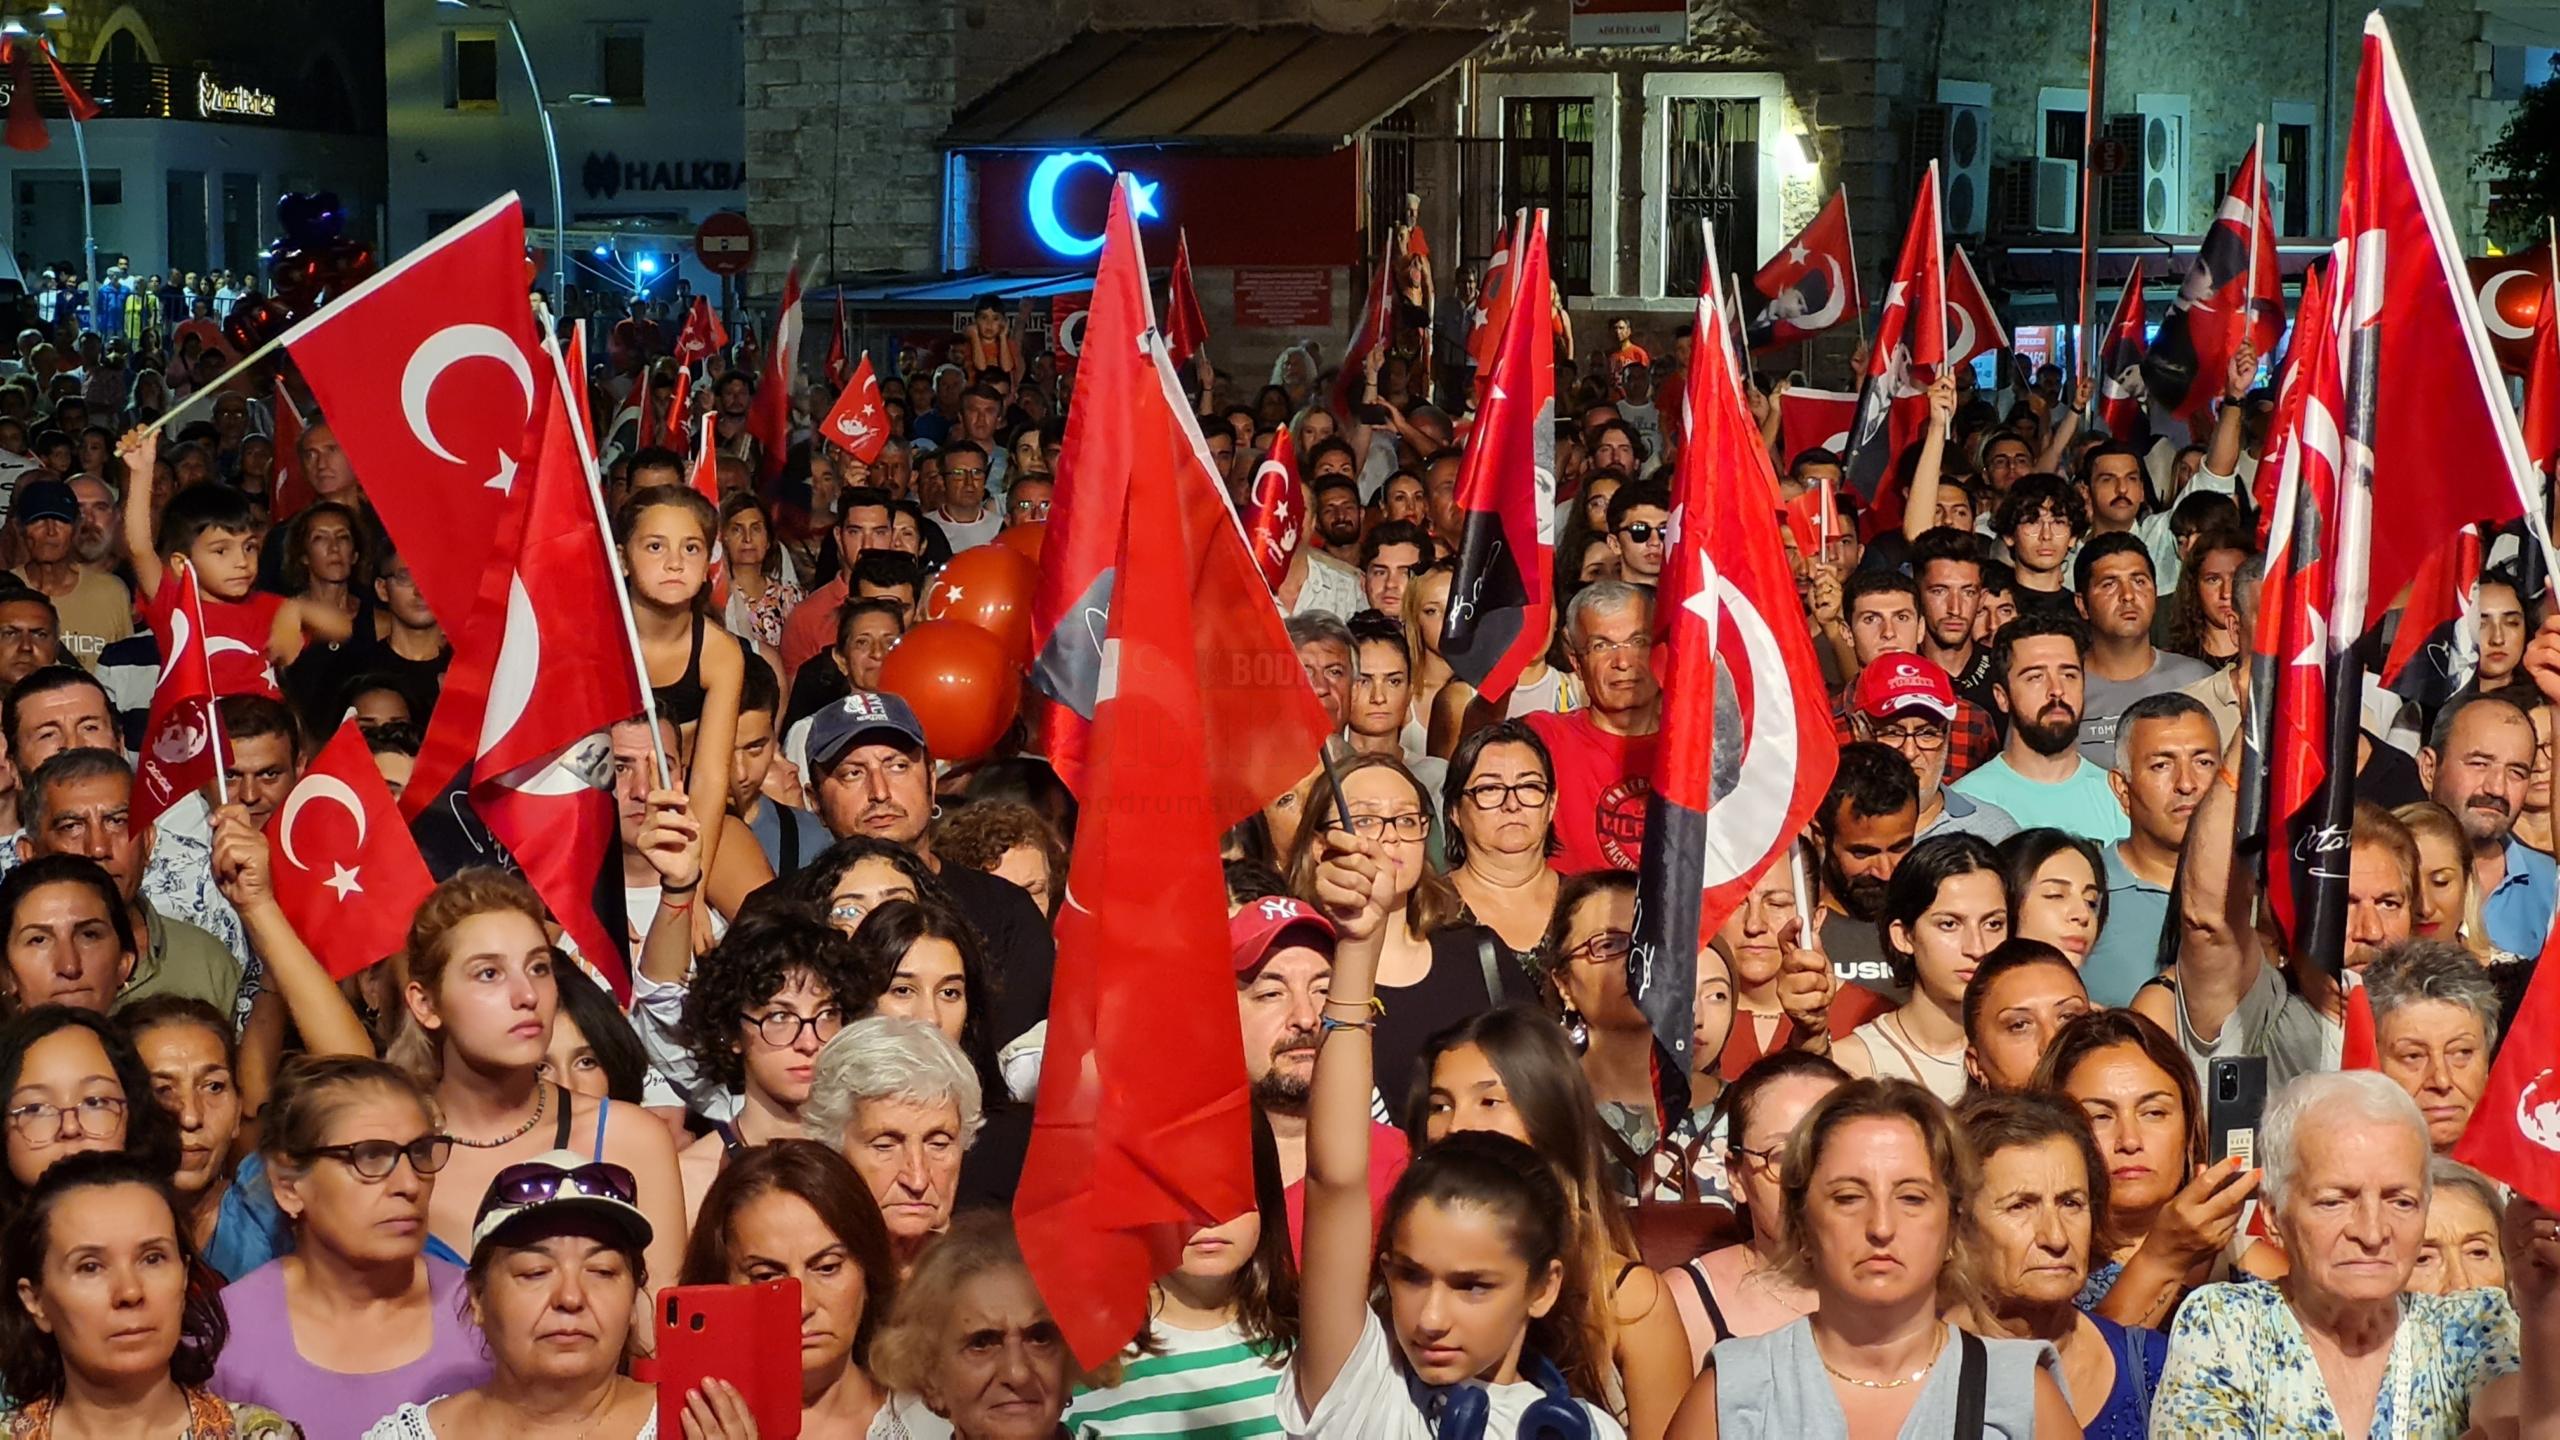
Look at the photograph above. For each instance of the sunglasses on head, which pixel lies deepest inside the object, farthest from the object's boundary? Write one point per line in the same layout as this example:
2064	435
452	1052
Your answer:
535	1182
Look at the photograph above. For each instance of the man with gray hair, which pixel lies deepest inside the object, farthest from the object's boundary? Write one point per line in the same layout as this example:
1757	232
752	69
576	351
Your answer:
2435	1024
2166	754
1604	751
902	1103
1326	652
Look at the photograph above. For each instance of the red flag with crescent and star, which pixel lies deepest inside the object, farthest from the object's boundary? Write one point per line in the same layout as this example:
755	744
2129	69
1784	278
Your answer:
1729	646
860	423
347	874
1186	329
1909	348
769	413
1973	326
679	413
1275	524
1812	284
182	747
293	494
703	336
431	373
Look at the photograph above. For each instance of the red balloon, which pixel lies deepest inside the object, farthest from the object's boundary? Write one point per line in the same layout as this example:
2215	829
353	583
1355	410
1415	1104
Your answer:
2512	291
964	687
988	586
1025	537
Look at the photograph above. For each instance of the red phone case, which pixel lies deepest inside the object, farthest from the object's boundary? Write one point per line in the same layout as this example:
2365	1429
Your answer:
748	1335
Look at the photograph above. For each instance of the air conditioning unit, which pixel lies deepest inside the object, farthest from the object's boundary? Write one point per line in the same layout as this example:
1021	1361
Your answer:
2057	196
1958	137
2147	193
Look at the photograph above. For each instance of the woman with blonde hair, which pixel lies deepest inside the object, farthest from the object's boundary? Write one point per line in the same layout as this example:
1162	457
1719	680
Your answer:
479	1004
2448	902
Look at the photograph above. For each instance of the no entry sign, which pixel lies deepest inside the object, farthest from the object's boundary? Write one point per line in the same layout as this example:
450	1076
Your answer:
726	243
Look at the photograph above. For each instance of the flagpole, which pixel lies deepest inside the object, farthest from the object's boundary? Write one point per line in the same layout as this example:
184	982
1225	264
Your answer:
2257	211
213	707
1851	232
2326	926
613	566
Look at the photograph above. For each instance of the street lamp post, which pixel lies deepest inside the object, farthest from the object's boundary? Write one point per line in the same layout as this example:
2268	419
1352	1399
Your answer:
80	146
550	149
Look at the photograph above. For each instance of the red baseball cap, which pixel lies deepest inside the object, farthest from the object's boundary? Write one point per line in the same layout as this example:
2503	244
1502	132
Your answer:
1900	681
1270	923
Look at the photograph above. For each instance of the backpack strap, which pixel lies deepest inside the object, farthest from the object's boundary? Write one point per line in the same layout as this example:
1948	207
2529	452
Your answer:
1973	1380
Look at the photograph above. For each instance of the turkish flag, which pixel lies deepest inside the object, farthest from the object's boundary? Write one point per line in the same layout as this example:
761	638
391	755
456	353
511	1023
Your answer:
1973	327
836	371
2447	451
1185	328
1812	284
1273	526
26	128
1500	603
2542	391
2436	648
1815	419
290	494
2123	400
1267	721
2221	304
182	747
705	480
83	108
1492	312
348	875
703	336
860	423
580	400
1727	644
431	374
769	415
679	413
1910	344
2514	1134
1376	323
1143	1125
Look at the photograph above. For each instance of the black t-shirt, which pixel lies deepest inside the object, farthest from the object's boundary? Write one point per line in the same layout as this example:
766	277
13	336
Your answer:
316	683
2389	777
818	685
1019	947
1451	991
2046	602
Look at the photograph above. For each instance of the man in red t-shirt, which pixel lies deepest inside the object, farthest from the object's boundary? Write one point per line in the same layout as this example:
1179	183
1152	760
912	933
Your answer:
1283	953
1604	752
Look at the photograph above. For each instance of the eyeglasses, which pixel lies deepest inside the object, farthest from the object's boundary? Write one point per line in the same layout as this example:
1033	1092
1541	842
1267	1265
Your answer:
1411	825
781	1029
1606	946
1531	794
534	1182
1031	509
1927	737
1769	1161
375	1159
962	473
97	1116
1642	532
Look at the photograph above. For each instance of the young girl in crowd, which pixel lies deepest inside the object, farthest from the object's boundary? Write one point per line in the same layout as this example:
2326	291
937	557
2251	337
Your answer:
1743	1288
1946	907
358	1319
776	988
1508	1071
75	1084
695	666
1481	1215
108	1336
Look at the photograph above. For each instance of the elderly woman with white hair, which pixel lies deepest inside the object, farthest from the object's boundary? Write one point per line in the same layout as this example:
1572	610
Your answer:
2435	1020
2338	1347
902	1103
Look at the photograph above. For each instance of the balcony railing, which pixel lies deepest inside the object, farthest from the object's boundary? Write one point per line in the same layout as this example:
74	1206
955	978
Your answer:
221	94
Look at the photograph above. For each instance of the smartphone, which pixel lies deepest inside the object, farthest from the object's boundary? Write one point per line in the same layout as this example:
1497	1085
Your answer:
2235	1096
748	1335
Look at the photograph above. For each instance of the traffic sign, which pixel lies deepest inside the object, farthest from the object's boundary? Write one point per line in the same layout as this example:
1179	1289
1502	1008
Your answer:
726	243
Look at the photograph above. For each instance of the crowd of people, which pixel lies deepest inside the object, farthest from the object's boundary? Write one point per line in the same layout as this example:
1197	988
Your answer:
1943	1167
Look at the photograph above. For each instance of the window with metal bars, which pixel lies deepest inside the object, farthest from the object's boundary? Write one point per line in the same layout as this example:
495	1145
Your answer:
1711	165
1547	162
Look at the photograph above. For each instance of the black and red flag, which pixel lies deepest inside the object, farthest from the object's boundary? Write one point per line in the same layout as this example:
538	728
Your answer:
2220	305
2437	647
1909	346
1729	646
1499	603
2122	398
1811	285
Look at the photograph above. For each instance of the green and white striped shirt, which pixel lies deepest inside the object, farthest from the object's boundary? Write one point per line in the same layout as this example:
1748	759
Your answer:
1207	1385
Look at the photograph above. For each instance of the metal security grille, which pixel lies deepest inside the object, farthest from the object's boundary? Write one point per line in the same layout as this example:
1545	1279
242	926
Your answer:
1547	161
1712	165
1391	177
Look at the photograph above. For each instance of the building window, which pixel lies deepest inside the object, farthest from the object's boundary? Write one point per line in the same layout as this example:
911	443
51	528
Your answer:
1547	162
620	71
470	70
1711	172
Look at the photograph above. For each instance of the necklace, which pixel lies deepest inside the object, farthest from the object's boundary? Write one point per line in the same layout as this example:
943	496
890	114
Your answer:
1914	1378
541	1102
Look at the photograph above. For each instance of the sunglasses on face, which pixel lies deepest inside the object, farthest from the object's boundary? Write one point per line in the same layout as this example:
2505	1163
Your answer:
1643	532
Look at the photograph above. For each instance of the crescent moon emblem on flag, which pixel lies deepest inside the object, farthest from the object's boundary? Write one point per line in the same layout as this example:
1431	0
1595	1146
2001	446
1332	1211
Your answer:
317	787
1829	314
444	349
1960	343
1743	823
2538	1119
179	632
519	661
2489	315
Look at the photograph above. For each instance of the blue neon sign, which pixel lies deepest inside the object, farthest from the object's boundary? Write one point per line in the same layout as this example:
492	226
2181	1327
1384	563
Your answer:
1041	199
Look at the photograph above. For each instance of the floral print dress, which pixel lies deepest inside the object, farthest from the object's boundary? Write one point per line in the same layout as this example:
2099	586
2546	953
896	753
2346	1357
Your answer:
2239	1364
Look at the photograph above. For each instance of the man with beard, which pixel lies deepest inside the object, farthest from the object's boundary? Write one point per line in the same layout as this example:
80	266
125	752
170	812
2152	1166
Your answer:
2114	580
2477	763
1338	517
1283	955
94	610
2040	777
1862	829
2167	755
875	777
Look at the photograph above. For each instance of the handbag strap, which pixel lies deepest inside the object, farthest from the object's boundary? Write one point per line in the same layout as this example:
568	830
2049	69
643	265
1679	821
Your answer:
1973	1378
1490	964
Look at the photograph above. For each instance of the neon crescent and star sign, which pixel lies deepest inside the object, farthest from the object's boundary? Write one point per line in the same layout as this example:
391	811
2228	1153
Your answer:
1040	198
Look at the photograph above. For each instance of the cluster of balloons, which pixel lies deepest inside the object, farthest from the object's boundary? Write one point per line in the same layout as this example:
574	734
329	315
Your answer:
313	262
962	668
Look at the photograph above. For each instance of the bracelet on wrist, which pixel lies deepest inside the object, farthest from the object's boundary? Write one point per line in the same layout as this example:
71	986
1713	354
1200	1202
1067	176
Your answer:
1326	1025
665	891
1371	1006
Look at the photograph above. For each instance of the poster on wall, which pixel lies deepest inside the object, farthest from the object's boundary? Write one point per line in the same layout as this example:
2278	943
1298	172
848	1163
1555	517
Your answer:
1284	297
1628	22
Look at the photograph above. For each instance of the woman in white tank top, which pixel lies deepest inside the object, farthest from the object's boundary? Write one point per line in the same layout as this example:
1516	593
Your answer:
1947	907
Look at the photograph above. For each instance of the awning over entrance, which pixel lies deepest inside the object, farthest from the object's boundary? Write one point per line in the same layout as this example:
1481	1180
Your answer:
1280	87
938	291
